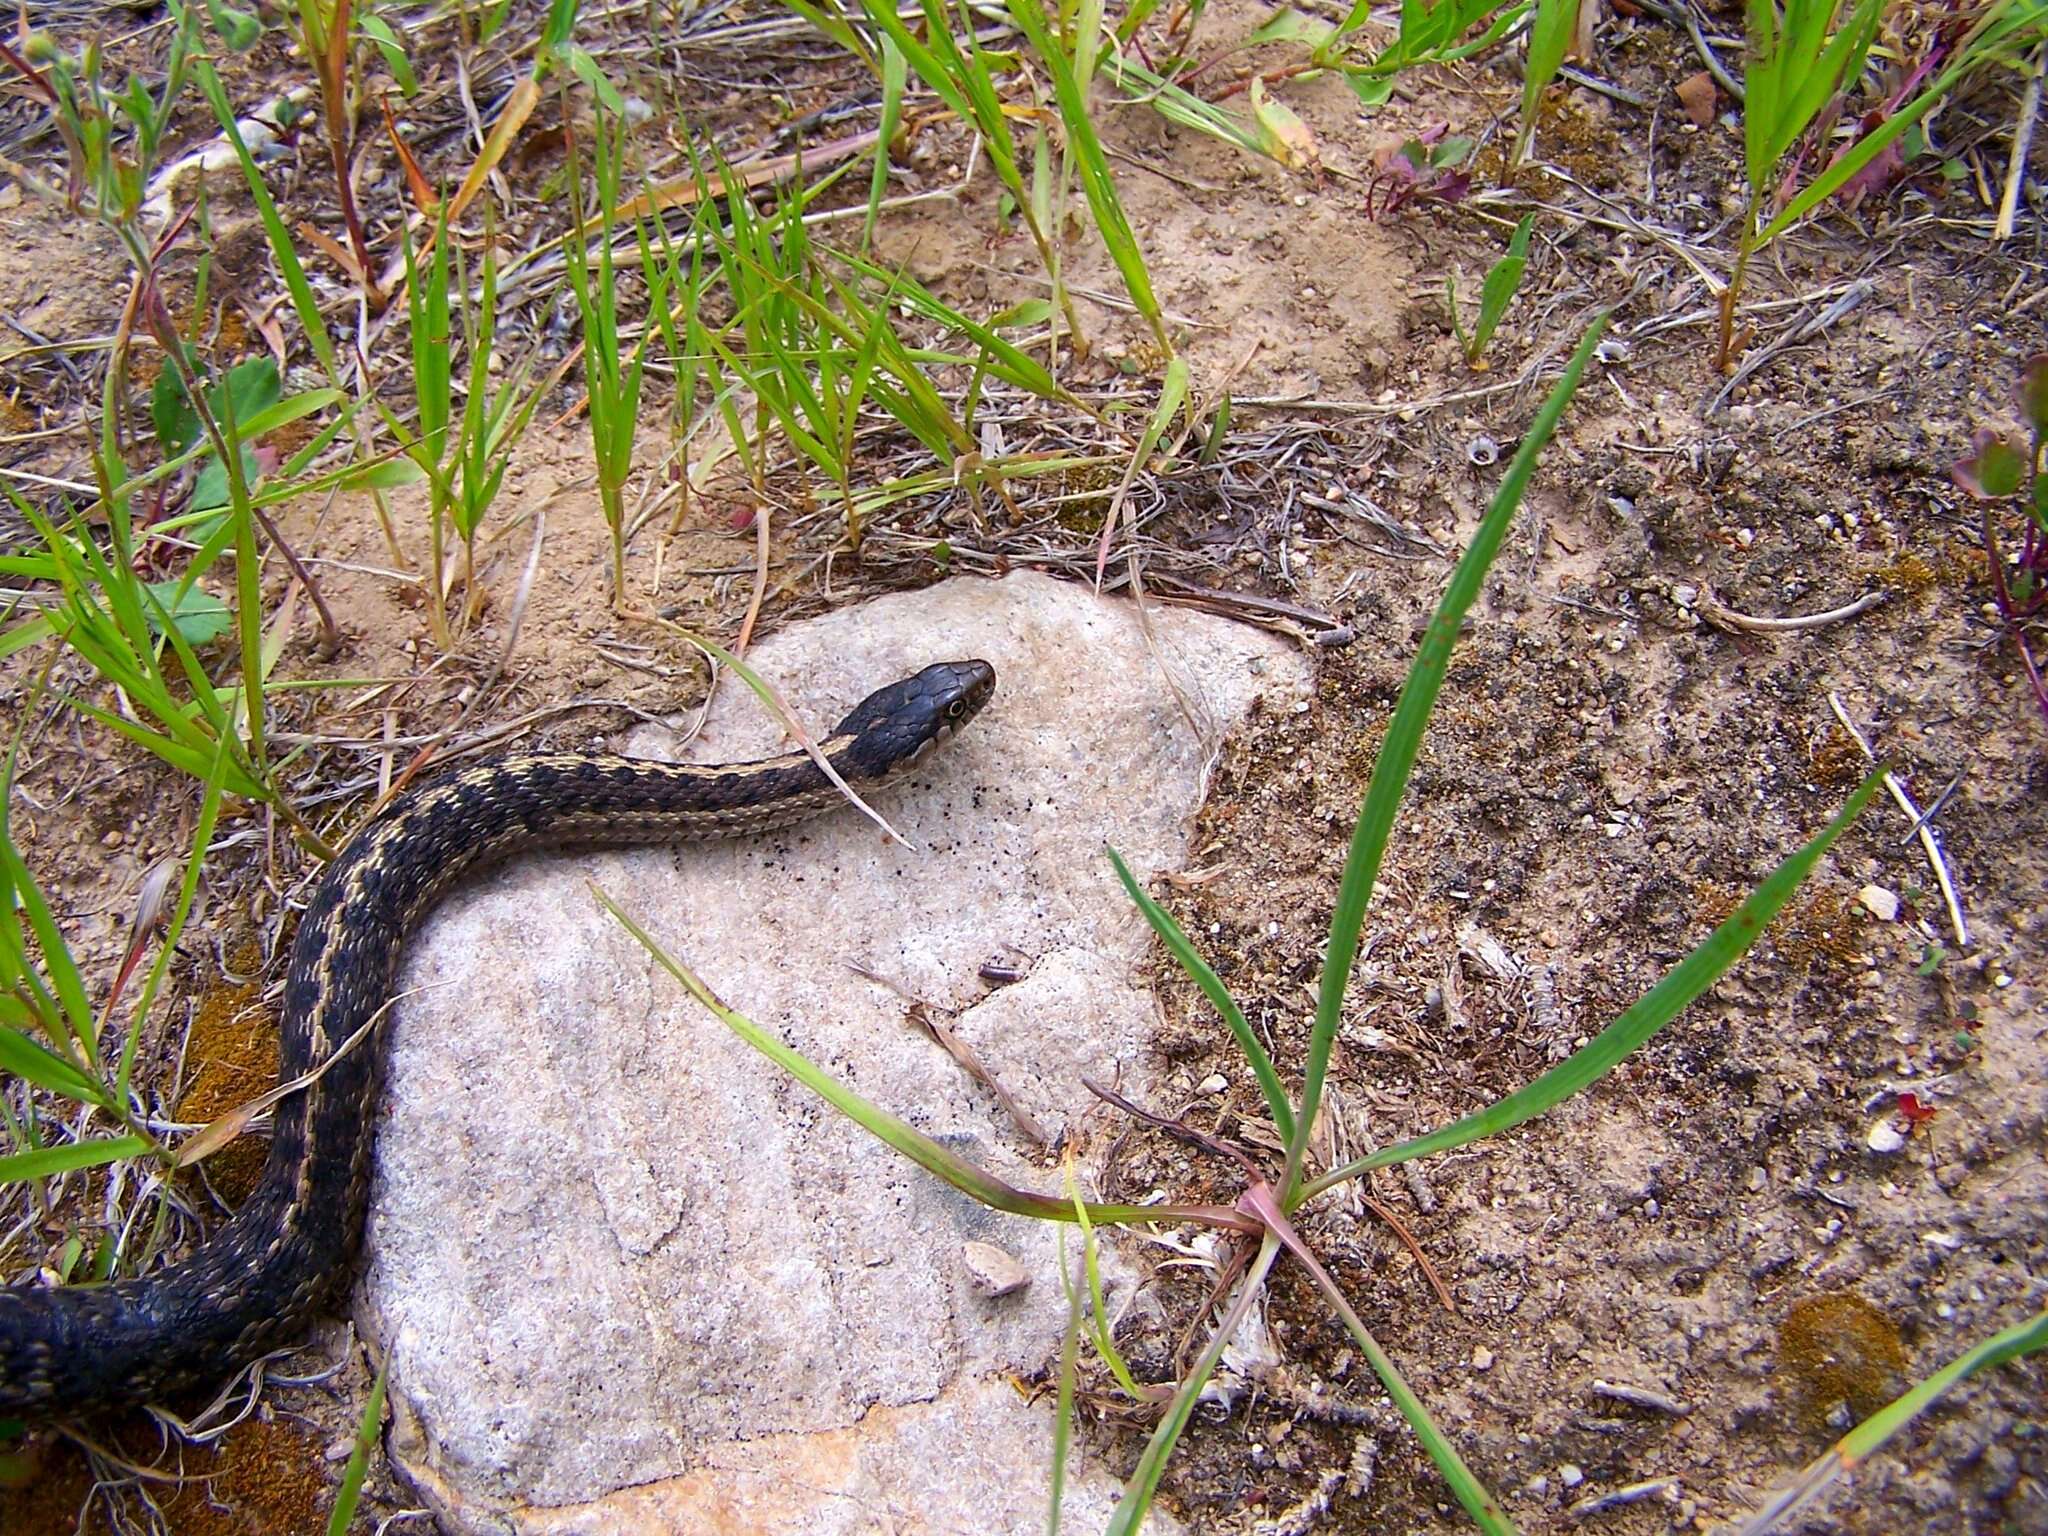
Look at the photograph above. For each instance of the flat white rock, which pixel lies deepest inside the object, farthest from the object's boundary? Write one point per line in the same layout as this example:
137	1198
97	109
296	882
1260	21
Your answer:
629	1275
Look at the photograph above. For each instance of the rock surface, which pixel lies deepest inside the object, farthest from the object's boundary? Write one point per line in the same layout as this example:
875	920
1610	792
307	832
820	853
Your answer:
630	1277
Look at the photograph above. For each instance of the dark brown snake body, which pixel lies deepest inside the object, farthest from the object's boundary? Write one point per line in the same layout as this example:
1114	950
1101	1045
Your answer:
253	1285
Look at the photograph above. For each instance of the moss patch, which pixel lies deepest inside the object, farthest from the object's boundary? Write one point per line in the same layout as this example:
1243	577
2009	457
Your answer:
1838	1348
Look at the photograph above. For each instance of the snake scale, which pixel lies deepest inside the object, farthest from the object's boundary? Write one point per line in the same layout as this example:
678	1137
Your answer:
252	1285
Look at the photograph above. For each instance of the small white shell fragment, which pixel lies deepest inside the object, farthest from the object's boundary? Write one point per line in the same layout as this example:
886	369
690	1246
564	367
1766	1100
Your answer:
994	1272
1884	1137
1879	902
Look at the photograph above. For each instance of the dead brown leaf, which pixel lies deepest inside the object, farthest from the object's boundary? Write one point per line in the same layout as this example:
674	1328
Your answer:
1696	94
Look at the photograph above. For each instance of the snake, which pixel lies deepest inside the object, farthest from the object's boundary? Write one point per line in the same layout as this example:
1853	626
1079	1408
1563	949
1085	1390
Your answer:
255	1283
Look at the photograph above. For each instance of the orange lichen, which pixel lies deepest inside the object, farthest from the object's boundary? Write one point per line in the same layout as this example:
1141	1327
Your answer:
267	1479
1836	758
1820	931
1839	1349
233	1058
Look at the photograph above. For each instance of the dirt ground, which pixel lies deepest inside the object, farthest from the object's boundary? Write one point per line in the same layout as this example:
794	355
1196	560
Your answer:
1693	1276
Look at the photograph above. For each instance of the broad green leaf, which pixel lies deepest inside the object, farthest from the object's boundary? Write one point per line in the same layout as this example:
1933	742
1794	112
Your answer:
592	74
383	476
200	616
393	50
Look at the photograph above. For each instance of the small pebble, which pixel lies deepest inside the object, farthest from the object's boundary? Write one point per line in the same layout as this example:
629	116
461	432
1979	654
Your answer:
1879	902
1482	1359
994	1272
1213	1084
1884	1137
1570	1475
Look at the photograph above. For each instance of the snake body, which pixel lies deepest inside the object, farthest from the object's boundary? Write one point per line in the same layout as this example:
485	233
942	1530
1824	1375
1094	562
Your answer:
253	1285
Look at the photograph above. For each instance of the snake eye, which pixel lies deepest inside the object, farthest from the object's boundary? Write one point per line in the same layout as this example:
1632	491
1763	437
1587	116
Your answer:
956	709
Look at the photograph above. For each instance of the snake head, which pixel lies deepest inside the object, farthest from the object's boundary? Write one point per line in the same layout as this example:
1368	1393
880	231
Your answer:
901	724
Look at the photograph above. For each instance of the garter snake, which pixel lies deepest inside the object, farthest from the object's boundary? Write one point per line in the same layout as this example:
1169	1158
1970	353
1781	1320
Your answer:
252	1285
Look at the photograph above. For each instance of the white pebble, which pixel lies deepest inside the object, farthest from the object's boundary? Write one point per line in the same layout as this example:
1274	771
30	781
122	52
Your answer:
994	1272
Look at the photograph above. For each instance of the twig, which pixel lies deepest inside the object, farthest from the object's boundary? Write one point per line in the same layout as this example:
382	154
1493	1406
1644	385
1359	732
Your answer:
1634	1493
1928	840
925	1016
1605	88
1641	1397
1727	618
1856	293
2022	139
1179	1129
1708	57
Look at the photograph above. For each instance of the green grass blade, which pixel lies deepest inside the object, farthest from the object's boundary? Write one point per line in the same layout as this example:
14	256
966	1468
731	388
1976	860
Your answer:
1143	1483
216	782
45	1161
37	1064
887	1128
1063	1411
1182	949
1105	1346
2000	26
1178	105
304	304
833	25
350	1494
1550	35
1656	1008
1096	182
1498	290
1864	1441
63	974
1481	1505
1006	359
895	80
1403	740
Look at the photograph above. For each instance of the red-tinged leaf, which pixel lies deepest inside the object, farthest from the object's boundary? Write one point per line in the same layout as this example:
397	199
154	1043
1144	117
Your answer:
1885	167
2034	392
1407	159
1995	468
1913	1112
1451	187
424	197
